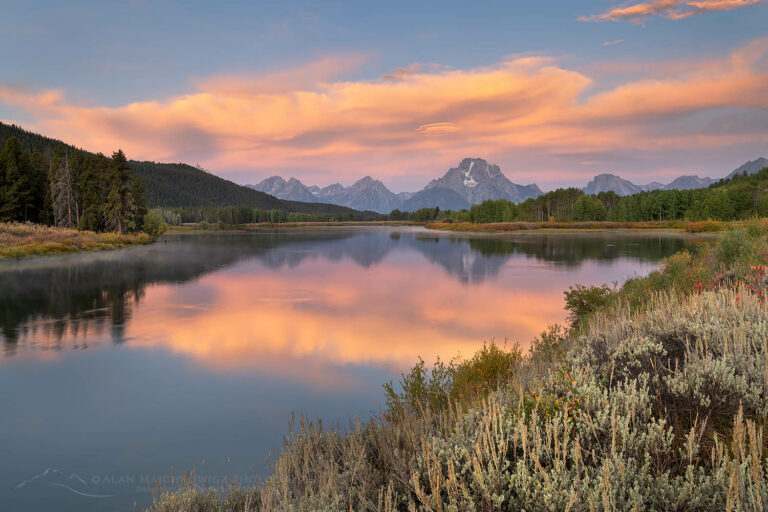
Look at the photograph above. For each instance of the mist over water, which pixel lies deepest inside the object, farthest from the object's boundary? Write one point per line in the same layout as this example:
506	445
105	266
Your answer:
117	368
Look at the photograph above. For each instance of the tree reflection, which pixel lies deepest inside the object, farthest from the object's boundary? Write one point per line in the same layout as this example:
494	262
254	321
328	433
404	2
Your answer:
94	295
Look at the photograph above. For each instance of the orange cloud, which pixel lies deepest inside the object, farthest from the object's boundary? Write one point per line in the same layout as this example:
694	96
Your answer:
425	119
672	9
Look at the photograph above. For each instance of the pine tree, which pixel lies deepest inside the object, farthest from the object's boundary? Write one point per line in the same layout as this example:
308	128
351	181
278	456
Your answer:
91	189
119	208
139	196
16	193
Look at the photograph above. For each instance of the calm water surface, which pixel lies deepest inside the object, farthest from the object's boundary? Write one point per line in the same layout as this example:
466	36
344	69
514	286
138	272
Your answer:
121	368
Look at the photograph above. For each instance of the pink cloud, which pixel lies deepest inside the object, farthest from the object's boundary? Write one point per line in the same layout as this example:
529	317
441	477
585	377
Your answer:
672	9
437	128
523	109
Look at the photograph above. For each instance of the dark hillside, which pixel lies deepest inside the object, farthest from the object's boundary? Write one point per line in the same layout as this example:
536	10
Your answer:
179	184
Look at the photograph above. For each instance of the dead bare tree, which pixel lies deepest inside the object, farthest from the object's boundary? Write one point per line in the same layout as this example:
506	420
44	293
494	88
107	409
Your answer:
65	211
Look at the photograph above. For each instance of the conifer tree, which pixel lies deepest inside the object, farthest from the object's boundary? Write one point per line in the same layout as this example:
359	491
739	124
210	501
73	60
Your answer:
91	189
139	196
119	208
16	190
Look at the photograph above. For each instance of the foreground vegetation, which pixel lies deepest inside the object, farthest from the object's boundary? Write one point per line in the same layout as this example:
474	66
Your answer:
655	397
19	240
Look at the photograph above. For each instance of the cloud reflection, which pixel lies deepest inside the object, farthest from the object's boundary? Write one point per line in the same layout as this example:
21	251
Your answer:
311	306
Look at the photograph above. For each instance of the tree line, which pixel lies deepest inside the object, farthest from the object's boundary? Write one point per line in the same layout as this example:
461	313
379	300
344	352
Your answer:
70	189
740	197
234	215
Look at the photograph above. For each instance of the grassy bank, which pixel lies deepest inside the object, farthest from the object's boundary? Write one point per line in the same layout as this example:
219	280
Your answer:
19	240
655	397
503	227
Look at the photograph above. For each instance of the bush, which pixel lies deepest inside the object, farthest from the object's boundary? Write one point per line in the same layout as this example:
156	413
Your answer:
153	224
490	366
549	346
582	300
422	389
757	227
734	245
704	226
460	380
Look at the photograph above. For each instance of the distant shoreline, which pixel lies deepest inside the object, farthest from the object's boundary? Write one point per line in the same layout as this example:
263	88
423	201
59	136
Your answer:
201	226
469	227
510	227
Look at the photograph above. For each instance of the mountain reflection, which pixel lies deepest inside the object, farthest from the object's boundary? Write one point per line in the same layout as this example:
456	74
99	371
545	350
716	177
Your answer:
330	296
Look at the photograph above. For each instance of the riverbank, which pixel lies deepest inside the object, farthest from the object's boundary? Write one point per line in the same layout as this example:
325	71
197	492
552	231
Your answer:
654	397
205	226
505	227
21	240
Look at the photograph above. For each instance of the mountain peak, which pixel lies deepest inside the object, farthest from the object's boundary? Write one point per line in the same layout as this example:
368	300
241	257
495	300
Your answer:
293	189
687	182
365	180
751	167
476	180
607	182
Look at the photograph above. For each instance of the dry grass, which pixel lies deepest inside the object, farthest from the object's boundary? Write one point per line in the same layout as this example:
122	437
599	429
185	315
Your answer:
19	240
704	226
574	226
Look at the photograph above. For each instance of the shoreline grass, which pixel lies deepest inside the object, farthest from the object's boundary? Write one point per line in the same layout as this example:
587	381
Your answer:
654	398
23	240
708	226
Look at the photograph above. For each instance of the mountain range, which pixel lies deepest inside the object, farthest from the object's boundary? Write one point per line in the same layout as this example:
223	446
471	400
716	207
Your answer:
472	182
622	187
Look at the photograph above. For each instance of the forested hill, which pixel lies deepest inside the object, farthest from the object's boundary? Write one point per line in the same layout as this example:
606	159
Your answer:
178	184
184	185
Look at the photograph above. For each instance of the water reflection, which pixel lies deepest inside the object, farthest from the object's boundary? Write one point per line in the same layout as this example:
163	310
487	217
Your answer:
337	295
125	364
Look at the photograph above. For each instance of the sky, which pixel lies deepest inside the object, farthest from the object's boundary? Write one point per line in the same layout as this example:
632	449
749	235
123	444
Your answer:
553	91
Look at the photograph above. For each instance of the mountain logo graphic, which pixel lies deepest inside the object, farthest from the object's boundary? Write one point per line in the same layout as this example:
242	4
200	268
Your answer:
53	477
